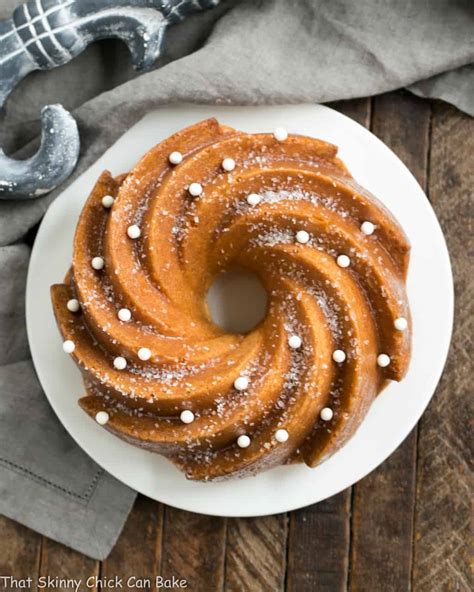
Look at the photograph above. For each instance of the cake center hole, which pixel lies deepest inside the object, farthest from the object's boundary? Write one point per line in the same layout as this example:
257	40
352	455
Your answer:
237	301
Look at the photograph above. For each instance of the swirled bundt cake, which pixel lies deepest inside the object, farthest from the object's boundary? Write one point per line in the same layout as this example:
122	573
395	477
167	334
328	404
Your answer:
133	314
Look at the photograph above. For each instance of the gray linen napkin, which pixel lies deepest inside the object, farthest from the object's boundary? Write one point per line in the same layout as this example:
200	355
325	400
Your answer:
274	51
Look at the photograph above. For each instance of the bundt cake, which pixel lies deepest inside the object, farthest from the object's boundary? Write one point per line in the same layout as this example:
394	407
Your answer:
160	374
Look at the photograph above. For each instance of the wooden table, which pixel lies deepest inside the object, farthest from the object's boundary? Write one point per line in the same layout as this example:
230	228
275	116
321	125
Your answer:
406	525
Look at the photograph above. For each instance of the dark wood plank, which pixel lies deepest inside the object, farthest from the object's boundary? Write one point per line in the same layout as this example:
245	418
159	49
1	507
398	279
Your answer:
382	524
383	502
357	109
62	563
319	546
402	121
193	548
138	549
20	550
256	554
444	483
319	536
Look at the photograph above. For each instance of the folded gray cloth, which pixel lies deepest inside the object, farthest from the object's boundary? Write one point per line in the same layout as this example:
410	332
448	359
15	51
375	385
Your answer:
46	481
274	51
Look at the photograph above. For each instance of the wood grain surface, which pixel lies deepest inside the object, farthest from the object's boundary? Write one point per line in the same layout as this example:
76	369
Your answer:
443	514
406	526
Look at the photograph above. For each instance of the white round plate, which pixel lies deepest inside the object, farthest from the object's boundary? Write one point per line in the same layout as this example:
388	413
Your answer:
393	414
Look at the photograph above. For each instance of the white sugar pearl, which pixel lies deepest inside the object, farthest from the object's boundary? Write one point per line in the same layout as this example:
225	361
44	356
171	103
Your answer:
243	441
124	315
108	201
326	414
343	261
102	417
241	383
175	157
133	231
295	341
280	134
383	360
367	227
73	305
195	189
98	263
187	416
253	199
339	356
228	164
401	324
69	346
120	363
144	354
302	236
281	436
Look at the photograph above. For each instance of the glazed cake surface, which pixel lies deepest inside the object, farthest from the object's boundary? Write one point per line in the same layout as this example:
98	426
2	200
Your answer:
160	374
